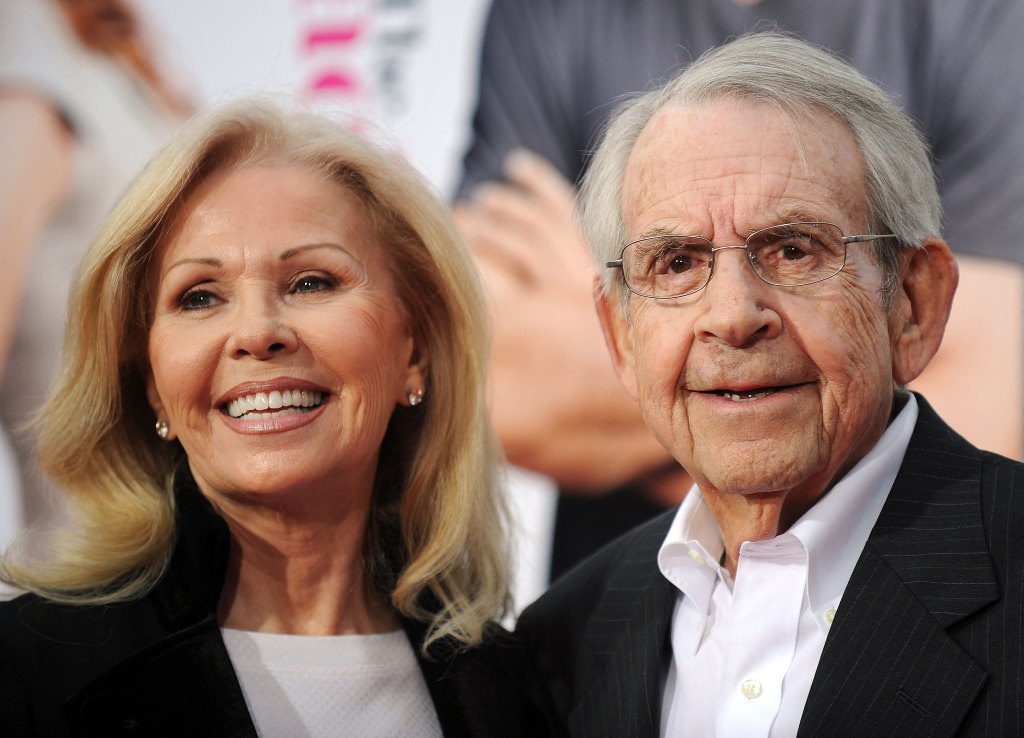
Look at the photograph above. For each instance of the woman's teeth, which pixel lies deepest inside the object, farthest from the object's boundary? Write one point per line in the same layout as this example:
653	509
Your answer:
274	400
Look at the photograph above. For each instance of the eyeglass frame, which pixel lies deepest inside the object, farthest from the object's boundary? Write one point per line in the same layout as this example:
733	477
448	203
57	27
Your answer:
861	238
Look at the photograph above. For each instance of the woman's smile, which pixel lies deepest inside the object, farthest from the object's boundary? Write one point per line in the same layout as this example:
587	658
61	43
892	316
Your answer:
274	403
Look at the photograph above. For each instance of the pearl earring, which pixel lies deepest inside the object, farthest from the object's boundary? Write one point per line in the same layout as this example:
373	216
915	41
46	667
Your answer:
415	396
163	429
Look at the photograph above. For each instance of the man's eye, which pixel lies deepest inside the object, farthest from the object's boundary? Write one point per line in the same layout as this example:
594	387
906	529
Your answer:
677	263
792	253
312	283
197	300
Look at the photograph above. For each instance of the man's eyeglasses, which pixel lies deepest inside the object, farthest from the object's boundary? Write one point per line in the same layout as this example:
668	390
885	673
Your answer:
786	255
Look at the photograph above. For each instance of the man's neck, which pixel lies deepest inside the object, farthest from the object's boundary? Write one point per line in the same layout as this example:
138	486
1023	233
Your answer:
742	518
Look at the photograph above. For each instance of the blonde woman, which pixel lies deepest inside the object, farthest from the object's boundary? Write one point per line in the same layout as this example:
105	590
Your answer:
271	422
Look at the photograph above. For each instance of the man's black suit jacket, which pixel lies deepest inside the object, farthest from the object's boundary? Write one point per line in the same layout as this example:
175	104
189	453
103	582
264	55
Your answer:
927	640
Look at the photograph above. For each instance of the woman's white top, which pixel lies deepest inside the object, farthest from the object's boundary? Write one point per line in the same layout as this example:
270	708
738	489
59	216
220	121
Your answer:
349	685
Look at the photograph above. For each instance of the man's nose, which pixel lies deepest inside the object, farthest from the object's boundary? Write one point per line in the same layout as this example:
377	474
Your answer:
260	329
737	305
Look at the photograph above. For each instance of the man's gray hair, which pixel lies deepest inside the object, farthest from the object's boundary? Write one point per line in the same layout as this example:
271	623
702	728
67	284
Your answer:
797	79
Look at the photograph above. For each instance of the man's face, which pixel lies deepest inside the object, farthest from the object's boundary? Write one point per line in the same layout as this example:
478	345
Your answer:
756	388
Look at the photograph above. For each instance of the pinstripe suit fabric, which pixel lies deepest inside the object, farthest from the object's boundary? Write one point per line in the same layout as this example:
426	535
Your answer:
927	640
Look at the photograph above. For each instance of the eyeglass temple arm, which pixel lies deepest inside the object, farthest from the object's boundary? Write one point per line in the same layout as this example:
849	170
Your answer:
617	264
867	237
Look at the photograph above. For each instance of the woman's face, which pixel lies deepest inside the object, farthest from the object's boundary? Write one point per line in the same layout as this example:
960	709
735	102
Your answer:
278	348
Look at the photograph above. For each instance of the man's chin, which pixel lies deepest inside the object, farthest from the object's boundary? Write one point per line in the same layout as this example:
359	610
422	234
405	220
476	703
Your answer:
757	478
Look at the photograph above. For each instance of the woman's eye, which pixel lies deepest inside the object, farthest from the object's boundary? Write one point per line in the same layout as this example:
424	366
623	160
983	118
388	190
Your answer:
312	283
197	300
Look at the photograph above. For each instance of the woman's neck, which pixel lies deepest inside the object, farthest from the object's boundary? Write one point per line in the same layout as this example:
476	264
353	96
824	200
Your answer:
300	573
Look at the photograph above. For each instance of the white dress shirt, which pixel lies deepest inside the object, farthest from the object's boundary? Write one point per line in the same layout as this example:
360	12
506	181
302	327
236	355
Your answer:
744	652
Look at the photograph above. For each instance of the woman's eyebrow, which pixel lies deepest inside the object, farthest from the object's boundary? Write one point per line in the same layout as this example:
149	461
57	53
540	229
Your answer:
289	253
206	260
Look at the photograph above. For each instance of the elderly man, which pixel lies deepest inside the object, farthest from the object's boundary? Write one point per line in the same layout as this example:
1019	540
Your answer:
845	564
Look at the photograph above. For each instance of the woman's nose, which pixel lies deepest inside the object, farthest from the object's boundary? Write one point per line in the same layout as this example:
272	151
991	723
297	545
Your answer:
260	330
737	305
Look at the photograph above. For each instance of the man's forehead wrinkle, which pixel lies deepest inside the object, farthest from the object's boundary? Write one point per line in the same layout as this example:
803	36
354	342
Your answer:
803	169
735	187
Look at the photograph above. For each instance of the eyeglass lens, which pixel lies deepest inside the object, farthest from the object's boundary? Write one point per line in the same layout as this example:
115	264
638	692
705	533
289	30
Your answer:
790	254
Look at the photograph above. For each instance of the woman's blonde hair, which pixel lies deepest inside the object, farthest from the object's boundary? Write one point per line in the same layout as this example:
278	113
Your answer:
436	538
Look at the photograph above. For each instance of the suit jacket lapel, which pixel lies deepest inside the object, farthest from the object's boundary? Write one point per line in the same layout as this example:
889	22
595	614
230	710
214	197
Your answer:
626	643
889	667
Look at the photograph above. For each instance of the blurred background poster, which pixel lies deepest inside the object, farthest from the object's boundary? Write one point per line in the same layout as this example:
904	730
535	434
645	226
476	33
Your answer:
404	70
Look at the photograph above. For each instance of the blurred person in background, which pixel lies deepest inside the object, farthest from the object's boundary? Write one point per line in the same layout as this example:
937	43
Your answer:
273	431
82	107
552	70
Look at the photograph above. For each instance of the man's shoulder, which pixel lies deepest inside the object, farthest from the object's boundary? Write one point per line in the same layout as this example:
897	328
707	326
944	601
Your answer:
936	446
630	560
1011	471
571	631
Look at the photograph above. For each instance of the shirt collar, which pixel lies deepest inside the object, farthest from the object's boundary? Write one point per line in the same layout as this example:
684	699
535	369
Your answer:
836	528
689	556
833	531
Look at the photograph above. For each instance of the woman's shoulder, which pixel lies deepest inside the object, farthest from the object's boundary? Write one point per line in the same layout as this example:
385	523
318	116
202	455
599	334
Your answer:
52	653
56	646
48	651
30	616
32	627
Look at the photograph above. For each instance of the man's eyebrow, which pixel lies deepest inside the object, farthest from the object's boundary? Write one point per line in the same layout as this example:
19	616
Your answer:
796	216
293	251
789	216
661	231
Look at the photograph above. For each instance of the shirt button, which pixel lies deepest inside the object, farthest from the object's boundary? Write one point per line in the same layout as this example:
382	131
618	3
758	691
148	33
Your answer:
751	689
830	615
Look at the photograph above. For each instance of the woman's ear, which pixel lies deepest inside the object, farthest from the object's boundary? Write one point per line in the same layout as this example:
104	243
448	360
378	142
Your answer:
163	426
921	305
618	334
415	376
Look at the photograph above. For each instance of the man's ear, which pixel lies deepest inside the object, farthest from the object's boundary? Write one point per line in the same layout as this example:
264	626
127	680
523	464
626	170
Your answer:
618	334
920	309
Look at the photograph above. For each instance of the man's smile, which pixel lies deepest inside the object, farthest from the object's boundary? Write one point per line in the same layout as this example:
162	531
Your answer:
748	394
